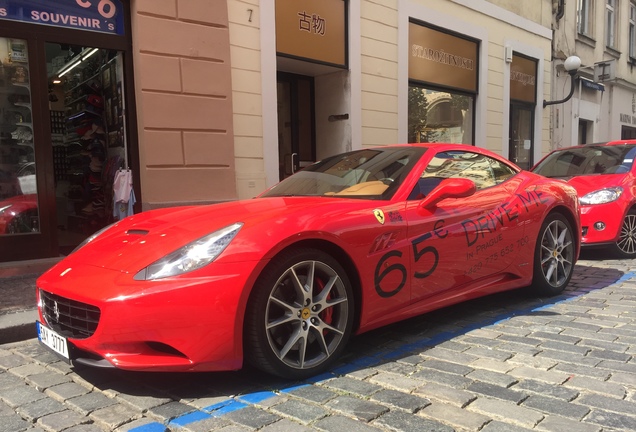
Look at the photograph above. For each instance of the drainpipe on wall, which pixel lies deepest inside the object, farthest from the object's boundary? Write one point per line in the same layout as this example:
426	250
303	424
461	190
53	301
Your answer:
560	9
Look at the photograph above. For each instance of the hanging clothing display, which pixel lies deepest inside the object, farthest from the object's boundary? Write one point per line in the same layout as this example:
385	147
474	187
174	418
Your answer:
123	194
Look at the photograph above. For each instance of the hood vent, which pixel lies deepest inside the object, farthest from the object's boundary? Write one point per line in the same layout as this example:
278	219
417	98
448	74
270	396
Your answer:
137	232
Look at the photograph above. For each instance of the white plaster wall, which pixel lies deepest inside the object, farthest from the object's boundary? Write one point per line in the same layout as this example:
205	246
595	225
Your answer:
333	97
379	56
247	96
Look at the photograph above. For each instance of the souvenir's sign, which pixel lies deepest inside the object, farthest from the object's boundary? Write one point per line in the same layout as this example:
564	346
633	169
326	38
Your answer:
106	16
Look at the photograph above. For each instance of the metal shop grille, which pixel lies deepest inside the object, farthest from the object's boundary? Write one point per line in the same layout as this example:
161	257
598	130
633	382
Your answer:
69	318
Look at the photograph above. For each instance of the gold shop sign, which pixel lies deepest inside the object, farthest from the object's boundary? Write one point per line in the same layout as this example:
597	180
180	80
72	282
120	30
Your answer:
441	58
312	29
523	79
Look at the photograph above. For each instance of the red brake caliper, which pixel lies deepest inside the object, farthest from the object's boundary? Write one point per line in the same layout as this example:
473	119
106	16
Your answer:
326	314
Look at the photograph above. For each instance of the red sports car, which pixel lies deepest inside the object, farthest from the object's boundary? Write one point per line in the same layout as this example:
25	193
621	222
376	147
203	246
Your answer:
604	176
349	244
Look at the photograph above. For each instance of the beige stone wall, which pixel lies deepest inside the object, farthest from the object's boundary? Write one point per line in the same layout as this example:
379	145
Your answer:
184	101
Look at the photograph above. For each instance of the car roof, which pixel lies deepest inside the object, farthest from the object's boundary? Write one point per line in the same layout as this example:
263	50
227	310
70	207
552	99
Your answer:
440	146
621	142
608	143
603	143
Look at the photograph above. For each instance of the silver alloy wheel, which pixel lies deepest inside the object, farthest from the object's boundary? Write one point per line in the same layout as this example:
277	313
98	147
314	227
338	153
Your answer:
307	314
557	253
627	239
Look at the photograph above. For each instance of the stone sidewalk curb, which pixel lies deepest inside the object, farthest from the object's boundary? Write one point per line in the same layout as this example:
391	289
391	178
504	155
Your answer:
18	326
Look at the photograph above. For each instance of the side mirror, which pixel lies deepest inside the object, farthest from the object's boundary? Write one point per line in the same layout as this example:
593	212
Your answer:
448	188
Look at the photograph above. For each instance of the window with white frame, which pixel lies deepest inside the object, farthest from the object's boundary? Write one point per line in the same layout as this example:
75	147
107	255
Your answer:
632	30
611	11
584	16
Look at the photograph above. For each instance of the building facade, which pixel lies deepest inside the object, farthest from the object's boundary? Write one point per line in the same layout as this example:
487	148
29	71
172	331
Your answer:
179	102
603	107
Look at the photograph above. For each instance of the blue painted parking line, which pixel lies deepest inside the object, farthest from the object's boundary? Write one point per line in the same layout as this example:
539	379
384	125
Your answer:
150	427
233	405
186	419
257	397
291	389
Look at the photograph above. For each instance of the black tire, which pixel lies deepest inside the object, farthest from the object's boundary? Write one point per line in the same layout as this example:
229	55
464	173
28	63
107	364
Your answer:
625	247
300	315
554	256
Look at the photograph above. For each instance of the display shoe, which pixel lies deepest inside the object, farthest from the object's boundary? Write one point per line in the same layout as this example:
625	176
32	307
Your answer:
22	134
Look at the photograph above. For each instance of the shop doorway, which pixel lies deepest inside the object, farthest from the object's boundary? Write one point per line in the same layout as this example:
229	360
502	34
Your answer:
628	132
521	140
296	124
585	131
88	137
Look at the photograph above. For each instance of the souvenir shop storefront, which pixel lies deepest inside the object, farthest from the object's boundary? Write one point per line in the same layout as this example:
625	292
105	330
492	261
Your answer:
67	121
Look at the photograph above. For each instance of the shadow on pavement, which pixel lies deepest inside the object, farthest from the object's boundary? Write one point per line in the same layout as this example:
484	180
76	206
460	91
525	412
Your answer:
394	342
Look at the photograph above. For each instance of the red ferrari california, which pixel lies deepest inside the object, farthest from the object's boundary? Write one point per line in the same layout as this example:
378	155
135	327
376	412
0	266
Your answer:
350	243
604	176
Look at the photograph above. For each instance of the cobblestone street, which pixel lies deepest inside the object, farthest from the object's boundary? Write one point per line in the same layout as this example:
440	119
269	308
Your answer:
508	362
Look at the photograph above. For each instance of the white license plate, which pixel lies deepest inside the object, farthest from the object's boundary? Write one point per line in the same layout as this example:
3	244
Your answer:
53	340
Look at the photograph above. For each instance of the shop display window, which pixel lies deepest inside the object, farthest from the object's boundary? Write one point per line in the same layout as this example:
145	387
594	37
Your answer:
440	116
18	191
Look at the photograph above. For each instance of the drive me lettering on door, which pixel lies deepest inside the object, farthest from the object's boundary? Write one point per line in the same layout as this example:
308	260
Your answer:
506	213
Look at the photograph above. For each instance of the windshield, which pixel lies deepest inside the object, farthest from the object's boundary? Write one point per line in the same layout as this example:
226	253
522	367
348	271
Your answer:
588	160
368	173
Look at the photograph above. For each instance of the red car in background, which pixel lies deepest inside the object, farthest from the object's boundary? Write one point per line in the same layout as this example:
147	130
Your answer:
604	176
351	243
19	214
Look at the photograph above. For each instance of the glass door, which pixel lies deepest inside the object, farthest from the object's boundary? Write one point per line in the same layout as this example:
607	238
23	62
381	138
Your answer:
521	140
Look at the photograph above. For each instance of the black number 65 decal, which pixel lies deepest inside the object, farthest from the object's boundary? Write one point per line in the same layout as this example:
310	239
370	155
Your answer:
418	254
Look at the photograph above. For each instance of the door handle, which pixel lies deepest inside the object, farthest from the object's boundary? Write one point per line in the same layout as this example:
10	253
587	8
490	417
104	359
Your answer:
293	165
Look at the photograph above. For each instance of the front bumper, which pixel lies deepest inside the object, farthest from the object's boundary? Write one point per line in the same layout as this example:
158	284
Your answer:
186	323
610	215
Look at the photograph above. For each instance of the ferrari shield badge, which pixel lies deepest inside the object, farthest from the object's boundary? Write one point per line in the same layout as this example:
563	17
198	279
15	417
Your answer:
379	215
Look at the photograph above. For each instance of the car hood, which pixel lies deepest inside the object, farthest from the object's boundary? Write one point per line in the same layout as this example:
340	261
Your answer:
591	183
135	242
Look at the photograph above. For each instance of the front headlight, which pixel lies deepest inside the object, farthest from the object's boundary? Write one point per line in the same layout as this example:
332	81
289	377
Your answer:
2	209
191	256
602	196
